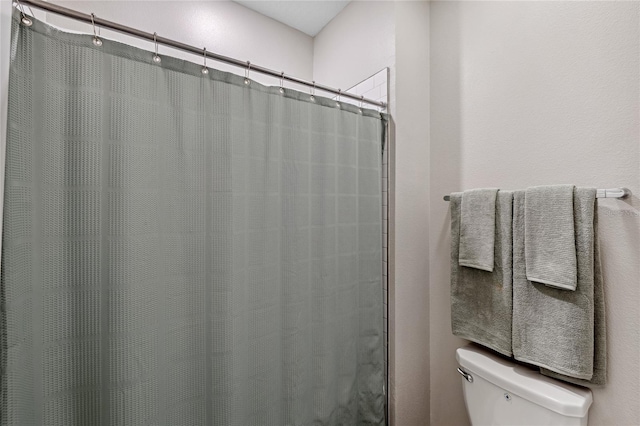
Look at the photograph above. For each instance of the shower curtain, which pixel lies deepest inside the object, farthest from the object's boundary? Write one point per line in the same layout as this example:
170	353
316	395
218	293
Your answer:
183	248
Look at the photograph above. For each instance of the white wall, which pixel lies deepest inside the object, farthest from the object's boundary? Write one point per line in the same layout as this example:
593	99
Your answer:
222	27
356	44
364	38
411	215
531	93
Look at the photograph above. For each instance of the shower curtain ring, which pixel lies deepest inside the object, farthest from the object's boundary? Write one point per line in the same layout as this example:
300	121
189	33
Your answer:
312	98
96	40
156	58
27	22
246	73
282	82
361	102
205	70
338	101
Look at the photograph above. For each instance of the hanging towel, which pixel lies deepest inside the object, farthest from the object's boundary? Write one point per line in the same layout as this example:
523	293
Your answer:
563	332
478	228
549	242
481	300
600	345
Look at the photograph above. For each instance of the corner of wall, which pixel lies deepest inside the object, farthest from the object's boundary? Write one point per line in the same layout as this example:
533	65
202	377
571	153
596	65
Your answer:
412	187
356	44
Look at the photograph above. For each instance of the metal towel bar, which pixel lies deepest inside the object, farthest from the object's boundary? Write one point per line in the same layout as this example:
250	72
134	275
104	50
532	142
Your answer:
600	193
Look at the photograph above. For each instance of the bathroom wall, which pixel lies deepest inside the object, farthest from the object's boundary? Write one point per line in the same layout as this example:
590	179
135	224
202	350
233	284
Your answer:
365	37
409	273
356	44
533	93
222	27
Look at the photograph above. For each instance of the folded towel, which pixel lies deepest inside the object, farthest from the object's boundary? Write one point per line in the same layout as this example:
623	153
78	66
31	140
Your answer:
561	331
549	242
477	228
481	300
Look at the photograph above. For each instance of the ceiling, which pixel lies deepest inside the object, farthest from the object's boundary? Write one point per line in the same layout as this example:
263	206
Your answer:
307	16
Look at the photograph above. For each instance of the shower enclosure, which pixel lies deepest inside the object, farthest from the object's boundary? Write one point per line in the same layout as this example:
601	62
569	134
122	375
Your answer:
185	248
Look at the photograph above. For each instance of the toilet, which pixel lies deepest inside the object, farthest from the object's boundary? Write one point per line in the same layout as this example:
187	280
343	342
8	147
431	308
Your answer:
499	392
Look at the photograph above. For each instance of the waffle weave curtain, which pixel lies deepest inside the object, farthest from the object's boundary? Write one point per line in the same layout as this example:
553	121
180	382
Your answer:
184	249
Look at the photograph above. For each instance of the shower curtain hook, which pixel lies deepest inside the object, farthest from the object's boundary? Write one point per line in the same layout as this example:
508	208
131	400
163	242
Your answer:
156	58
246	73
282	82
96	40
338	102
25	21
205	70
312	98
361	102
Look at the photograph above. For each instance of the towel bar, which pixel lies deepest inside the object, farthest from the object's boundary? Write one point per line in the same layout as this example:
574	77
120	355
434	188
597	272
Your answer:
600	193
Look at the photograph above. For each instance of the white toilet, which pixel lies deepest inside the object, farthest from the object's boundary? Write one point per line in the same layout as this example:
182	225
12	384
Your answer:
498	392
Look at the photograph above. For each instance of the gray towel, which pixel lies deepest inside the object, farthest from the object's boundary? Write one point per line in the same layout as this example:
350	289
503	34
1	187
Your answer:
477	228
549	242
481	300
563	332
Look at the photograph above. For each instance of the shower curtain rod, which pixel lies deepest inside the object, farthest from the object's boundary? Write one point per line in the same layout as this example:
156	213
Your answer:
89	19
600	193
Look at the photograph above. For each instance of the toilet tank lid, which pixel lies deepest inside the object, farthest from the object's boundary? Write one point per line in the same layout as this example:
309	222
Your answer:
528	383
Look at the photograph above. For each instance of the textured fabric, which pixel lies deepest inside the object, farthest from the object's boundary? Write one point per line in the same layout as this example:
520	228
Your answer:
478	228
562	331
183	249
481	301
549	242
599	376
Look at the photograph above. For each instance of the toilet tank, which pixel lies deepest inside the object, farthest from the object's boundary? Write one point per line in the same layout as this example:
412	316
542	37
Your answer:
503	393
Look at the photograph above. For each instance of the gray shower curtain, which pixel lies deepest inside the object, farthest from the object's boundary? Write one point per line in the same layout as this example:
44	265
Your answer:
184	249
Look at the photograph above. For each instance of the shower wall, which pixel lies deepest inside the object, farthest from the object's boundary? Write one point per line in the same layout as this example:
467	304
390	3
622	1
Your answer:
535	93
